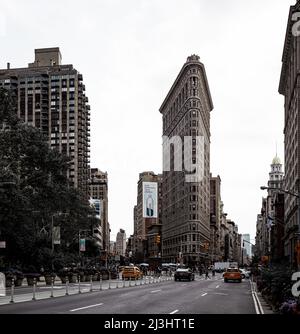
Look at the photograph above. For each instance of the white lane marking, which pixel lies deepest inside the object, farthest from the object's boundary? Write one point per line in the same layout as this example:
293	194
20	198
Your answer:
183	284
259	303
54	287
155	291
82	308
221	293
173	312
204	294
255	304
217	286
256	301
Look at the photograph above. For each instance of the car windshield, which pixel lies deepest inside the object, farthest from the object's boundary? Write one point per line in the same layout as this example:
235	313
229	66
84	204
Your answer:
232	270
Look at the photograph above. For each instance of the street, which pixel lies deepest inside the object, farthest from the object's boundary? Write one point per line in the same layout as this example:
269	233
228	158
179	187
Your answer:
201	296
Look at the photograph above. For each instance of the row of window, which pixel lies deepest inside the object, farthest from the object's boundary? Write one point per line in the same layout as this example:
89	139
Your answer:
193	248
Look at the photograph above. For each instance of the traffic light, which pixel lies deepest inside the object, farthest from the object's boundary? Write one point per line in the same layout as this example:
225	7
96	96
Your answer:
157	239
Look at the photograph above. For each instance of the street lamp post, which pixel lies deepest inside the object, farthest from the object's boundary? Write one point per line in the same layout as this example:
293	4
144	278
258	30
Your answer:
297	195
243	255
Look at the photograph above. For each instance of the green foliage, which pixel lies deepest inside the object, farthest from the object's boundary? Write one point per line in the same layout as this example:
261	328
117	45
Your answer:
275	283
33	189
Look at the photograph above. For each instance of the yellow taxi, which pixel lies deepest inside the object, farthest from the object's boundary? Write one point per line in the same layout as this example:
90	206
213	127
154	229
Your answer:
131	272
232	274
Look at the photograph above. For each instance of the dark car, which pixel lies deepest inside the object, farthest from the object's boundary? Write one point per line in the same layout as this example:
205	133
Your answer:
184	274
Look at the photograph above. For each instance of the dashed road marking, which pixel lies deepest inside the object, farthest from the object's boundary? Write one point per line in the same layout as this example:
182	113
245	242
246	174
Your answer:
173	312
204	294
155	291
85	307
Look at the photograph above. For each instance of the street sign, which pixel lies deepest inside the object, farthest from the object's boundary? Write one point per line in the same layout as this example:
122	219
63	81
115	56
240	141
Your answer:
2	244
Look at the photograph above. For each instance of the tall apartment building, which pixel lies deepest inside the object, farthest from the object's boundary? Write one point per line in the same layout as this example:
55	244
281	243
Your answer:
142	224
51	97
259	240
112	248
289	87
246	244
215	218
186	215
121	243
99	190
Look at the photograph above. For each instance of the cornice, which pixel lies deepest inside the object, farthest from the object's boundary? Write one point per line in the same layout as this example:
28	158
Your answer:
287	48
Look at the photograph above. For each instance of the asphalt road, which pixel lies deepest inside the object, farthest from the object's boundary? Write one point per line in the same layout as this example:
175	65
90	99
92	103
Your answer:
201	296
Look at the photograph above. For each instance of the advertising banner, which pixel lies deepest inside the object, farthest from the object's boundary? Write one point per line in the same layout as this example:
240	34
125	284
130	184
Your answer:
97	204
56	235
2	285
149	200
82	245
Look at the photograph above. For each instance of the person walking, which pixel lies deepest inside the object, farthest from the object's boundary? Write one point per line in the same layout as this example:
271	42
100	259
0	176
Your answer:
206	273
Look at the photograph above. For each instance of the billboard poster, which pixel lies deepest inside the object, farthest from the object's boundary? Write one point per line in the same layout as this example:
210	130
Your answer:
149	200
56	235
82	245
2	285
97	204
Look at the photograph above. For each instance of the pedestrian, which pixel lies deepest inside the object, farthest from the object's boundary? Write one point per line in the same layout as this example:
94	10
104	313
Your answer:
206	273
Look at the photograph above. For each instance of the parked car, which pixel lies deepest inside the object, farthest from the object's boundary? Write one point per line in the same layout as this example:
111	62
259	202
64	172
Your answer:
245	273
232	274
184	273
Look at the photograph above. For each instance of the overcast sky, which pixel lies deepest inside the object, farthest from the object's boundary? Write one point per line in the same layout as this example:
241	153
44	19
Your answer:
130	53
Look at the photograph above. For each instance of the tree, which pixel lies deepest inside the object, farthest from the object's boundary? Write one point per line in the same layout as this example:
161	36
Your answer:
33	188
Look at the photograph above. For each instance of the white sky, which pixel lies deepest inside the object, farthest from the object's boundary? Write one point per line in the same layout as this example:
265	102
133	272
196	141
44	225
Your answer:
130	52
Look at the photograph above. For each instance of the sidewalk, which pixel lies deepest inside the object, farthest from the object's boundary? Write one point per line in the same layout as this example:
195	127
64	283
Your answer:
60	289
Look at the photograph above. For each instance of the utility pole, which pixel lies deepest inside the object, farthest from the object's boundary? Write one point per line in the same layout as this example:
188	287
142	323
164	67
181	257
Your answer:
243	255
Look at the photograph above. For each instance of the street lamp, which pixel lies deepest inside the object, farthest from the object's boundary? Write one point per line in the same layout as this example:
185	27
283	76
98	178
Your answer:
297	195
